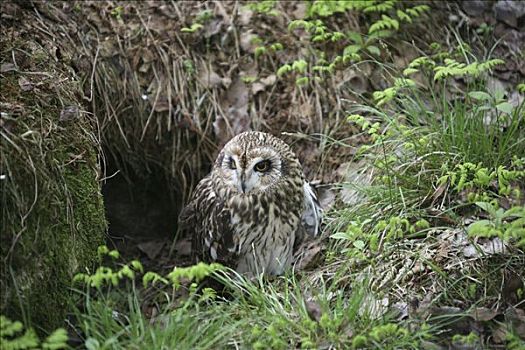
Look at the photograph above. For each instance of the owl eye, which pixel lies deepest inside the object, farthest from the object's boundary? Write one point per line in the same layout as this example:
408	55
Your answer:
231	164
263	166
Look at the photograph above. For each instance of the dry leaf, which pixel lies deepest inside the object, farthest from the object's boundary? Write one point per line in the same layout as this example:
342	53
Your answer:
326	198
494	246
263	83
246	41
269	80
7	67
355	178
183	247
161	104
257	87
68	113
428	345
314	310
499	335
213	27
352	80
470	252
443	251
245	16
402	308
438	193
151	248
236	118
490	247
516	317
300	10
483	314
511	285
306	254
25	84
208	78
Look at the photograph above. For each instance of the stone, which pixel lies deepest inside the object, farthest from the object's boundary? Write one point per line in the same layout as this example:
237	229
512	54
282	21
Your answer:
475	8
510	12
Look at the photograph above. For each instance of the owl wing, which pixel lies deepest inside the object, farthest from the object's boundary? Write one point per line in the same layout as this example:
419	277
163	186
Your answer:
313	214
311	219
209	222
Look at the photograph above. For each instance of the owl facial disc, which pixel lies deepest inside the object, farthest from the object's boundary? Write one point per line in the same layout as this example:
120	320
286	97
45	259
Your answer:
252	170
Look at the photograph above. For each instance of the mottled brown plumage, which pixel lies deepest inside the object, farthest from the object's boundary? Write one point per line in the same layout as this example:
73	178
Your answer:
254	206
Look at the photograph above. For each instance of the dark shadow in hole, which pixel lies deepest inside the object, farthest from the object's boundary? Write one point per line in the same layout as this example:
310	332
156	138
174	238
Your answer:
142	217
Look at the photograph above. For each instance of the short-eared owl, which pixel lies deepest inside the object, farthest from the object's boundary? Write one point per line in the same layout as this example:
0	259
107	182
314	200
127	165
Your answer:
253	208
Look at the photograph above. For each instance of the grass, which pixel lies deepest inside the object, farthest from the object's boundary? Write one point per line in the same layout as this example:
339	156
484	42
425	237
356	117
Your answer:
395	273
282	314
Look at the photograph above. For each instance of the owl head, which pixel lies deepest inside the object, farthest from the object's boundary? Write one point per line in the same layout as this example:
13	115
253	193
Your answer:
254	162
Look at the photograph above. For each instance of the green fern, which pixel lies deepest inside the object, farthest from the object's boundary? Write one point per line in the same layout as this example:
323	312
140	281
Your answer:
106	276
13	337
417	11
57	340
403	16
197	272
387	95
264	7
323	8
194	27
452	68
355	44
385	23
382	6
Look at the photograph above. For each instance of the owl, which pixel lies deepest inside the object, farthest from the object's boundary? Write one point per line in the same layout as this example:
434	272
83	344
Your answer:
254	207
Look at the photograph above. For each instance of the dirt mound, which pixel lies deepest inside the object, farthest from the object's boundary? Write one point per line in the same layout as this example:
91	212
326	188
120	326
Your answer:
52	208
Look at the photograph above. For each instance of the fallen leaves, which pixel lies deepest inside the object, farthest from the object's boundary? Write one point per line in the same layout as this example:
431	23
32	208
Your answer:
211	79
313	309
307	254
7	67
263	83
25	84
152	249
235	118
68	113
489	247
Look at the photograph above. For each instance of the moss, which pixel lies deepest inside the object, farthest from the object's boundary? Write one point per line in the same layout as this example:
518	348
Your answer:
52	209
59	236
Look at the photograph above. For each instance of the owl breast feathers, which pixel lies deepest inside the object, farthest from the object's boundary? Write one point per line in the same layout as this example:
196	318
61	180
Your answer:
253	208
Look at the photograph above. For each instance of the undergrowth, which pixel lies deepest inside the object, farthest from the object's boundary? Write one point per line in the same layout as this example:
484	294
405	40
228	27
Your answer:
384	284
14	337
447	173
435	238
283	313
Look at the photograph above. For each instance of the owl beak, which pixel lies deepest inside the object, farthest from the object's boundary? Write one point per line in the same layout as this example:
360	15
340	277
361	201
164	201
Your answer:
243	182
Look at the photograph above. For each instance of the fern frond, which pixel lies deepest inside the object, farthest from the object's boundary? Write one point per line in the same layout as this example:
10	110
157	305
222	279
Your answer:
383	6
385	23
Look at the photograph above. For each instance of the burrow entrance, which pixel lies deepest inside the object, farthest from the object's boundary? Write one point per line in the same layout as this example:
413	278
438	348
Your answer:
142	211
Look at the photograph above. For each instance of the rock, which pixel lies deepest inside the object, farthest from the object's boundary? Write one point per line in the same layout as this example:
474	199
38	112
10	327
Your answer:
510	12
475	8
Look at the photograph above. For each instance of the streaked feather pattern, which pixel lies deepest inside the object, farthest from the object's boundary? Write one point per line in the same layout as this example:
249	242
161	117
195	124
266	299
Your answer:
253	208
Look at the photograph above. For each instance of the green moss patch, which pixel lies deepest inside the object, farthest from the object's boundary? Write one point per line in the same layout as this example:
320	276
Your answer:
52	210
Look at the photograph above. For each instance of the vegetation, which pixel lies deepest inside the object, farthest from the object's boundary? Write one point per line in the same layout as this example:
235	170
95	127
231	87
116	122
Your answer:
52	211
12	338
425	250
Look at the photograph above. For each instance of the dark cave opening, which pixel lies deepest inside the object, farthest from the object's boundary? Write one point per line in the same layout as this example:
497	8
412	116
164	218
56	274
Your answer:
142	212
